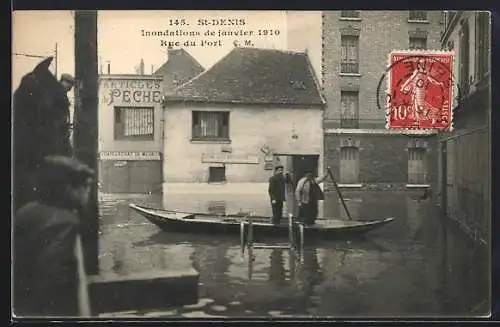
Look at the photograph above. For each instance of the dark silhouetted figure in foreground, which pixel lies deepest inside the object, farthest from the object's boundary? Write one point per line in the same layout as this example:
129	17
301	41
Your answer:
41	126
49	277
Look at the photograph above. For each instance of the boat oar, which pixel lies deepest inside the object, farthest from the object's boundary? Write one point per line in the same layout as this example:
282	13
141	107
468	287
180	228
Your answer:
340	194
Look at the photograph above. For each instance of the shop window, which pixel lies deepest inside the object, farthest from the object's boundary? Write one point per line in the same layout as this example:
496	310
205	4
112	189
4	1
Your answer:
349	165
134	123
216	174
417	166
210	125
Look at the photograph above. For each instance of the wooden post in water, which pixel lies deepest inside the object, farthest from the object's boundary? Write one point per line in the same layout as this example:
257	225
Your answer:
250	233
290	232
242	237
85	137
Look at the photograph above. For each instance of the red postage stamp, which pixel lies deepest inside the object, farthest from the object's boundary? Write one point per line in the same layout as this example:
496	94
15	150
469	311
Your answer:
420	90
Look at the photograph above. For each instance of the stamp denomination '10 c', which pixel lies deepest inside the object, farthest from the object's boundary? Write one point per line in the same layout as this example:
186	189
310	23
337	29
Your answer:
420	90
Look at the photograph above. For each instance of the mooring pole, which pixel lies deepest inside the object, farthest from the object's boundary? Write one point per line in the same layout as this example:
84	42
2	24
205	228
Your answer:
86	124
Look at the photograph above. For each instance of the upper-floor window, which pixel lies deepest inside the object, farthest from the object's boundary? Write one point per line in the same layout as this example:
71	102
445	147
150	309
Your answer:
349	54
210	125
349	109
134	123
418	43
418	15
349	14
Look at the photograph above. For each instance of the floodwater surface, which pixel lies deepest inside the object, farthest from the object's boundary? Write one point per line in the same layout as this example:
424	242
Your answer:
417	266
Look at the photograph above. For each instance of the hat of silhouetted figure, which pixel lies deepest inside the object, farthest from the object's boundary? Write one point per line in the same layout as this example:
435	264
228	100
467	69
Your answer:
68	78
278	167
65	170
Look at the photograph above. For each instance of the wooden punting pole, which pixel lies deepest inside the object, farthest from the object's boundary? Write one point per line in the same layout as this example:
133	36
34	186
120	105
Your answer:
85	138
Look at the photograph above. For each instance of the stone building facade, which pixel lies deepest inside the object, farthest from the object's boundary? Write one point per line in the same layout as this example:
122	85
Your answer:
226	129
131	124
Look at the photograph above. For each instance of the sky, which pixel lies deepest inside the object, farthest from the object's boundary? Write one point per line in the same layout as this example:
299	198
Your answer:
122	40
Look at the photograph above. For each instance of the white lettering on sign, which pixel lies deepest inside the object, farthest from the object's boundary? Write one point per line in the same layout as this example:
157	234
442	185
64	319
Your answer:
227	158
129	155
131	91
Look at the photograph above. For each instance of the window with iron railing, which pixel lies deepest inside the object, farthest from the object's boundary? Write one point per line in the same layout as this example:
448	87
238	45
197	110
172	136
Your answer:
134	123
418	15
210	125
418	43
349	54
482	45
417	168
349	14
464	59
349	109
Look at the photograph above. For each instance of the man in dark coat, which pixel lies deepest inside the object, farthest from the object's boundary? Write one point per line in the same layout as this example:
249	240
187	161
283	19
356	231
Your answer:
276	192
49	278
41	127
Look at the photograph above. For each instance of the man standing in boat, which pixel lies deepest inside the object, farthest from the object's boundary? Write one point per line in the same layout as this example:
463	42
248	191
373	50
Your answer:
276	192
307	195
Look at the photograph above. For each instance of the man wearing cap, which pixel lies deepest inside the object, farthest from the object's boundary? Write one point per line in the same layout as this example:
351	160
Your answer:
49	278
276	192
67	81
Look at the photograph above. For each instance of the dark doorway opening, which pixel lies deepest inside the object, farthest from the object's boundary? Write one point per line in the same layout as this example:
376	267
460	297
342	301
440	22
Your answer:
303	163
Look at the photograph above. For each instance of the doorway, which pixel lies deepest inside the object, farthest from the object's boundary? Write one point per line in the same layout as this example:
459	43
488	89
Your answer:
297	165
300	164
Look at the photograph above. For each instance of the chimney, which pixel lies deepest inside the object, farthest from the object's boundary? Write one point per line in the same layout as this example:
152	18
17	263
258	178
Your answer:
109	68
170	50
141	67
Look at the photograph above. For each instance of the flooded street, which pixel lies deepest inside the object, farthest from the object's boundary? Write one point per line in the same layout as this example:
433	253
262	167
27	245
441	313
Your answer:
417	266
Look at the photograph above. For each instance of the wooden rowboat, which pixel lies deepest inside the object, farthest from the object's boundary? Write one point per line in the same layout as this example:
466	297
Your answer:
204	223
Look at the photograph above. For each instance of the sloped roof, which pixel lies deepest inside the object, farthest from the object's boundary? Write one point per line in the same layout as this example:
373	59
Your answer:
255	76
179	68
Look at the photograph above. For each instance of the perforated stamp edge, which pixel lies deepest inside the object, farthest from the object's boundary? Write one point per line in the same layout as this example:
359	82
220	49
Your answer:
388	86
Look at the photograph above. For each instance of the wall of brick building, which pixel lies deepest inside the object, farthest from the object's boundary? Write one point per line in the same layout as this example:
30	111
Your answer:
383	158
380	32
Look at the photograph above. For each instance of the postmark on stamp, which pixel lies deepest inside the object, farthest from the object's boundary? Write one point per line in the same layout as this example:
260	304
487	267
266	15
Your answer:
420	90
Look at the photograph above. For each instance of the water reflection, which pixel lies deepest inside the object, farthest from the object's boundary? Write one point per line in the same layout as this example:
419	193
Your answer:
417	266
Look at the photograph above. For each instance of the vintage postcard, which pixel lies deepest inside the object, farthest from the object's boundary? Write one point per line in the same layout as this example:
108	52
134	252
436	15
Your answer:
251	164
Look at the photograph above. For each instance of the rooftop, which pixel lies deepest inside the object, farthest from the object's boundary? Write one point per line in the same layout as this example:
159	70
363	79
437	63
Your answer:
254	76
